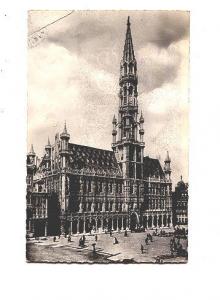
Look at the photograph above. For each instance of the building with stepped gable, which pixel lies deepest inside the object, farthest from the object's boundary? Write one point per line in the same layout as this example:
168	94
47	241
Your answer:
78	189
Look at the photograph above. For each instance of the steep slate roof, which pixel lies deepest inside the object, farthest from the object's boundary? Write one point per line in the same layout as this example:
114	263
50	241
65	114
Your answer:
99	160
152	167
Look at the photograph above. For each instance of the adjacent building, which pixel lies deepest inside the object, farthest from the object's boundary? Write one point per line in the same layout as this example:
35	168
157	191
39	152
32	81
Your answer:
180	204
77	189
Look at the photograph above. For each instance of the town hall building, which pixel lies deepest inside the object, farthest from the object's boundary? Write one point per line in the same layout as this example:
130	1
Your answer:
78	189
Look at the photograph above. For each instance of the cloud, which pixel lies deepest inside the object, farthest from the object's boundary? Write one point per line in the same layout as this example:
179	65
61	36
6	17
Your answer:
73	76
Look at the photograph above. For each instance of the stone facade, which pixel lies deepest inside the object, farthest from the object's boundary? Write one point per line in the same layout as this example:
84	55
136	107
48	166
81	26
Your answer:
180	204
78	189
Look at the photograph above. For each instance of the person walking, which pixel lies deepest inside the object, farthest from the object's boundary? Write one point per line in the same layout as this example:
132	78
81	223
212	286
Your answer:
126	233
142	249
115	241
96	238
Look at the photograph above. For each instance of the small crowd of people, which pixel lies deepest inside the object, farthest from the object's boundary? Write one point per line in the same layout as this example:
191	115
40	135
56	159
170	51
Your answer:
176	248
183	232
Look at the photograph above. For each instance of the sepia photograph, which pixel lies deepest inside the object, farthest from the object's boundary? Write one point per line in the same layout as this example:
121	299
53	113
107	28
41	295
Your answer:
108	131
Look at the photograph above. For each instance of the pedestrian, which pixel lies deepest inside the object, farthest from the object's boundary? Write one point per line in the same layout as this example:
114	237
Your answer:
69	238
115	241
146	241
142	249
54	239
110	232
93	245
96	237
83	238
126	233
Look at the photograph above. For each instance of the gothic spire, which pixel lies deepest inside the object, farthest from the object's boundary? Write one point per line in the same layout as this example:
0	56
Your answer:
32	150
65	134
114	121
141	118
48	144
65	130
167	157
128	54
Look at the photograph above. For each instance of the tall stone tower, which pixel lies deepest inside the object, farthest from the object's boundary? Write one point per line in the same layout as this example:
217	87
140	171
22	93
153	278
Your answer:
128	131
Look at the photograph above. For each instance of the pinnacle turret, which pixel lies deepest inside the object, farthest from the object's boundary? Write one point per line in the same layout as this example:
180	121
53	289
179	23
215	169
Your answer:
114	121
48	144
32	150
65	134
167	159
141	118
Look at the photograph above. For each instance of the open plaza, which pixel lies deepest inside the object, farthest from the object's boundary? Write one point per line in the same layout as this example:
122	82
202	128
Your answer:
101	248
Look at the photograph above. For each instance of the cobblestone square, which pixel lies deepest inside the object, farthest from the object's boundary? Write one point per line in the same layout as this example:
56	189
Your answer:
128	249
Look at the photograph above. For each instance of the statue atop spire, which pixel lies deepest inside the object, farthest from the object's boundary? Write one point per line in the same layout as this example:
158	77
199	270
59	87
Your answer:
128	54
128	22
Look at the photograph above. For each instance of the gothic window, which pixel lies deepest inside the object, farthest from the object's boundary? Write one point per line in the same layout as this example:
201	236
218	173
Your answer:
132	188
130	68
130	90
106	206
84	186
100	187
125	69
89	186
110	187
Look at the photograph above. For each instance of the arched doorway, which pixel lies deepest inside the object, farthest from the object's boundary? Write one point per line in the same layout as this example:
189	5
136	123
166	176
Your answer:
115	224
74	229
99	225
134	221
144	221
160	221
155	221
150	222
87	226
81	225
165	220
109	224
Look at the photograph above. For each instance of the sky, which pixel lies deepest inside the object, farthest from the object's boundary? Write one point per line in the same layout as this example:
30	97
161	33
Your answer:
73	75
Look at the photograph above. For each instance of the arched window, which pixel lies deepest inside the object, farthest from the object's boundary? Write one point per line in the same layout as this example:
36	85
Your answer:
130	90
89	186
125	68
130	68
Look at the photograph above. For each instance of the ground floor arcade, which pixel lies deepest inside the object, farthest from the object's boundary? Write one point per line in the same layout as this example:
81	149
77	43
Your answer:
98	223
